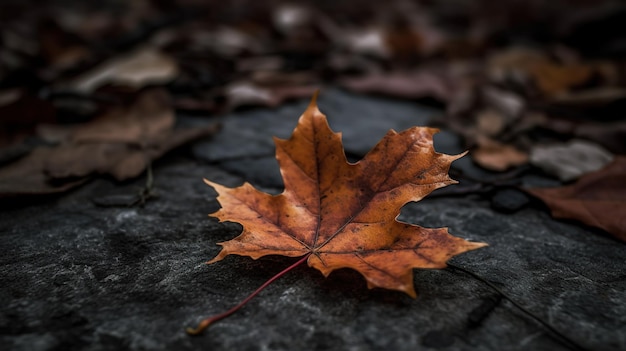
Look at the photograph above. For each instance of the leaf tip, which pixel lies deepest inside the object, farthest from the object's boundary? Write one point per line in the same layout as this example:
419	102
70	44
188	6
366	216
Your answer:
409	290
313	102
458	156
220	256
475	245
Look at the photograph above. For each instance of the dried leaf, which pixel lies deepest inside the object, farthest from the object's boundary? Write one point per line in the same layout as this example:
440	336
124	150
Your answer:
490	123
598	96
412	85
571	160
248	94
123	141
549	77
149	117
344	215
26	177
496	156
137	69
552	78
597	199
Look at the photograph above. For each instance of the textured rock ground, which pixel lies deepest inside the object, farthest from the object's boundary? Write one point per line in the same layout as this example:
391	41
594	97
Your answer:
77	276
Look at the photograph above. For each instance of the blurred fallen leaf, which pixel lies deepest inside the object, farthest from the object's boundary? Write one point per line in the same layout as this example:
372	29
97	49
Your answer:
610	135
553	78
137	69
249	94
490	123
411	85
496	156
529	65
149	117
570	160
122	142
597	199
26	177
597	96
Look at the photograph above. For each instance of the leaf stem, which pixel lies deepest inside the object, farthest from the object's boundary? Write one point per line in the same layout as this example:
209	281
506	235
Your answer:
566	341
208	321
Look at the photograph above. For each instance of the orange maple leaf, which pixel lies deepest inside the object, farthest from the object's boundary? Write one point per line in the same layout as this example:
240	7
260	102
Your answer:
343	215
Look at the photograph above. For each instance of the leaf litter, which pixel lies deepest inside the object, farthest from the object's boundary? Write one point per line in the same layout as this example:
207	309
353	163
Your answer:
507	89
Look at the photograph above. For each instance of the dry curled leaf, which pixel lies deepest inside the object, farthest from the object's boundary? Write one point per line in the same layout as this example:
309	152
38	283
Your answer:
343	215
597	199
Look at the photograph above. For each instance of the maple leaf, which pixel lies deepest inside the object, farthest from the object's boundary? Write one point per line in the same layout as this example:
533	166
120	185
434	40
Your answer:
343	215
337	214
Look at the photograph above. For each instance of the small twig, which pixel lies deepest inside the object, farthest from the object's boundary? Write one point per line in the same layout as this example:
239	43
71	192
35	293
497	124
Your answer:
566	341
147	192
137	197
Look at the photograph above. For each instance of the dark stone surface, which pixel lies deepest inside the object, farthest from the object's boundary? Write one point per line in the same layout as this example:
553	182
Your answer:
76	276
509	200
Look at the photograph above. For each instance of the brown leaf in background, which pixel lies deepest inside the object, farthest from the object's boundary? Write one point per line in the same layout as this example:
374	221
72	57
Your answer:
411	85
149	117
122	142
489	123
496	156
550	77
213	60
553	79
597	96
597	199
26	177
